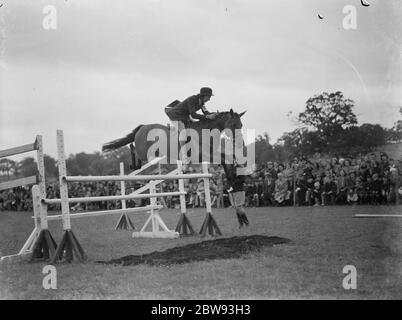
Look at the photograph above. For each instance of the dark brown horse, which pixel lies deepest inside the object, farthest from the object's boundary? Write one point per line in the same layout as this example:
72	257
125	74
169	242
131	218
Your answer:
140	143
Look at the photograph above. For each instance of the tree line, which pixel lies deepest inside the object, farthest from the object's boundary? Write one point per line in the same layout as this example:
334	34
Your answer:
328	125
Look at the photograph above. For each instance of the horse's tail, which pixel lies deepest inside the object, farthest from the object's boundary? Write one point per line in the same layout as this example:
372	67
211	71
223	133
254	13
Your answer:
111	145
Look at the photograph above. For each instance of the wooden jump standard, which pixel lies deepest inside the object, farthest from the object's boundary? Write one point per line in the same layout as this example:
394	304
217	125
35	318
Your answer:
39	191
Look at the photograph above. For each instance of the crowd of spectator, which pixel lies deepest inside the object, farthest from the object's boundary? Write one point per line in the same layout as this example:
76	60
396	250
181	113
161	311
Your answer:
372	179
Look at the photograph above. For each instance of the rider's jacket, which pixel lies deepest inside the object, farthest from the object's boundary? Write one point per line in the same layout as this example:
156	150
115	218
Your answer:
182	111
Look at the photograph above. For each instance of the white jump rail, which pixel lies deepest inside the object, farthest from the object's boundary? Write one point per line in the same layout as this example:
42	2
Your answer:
136	177
378	216
113	198
104	212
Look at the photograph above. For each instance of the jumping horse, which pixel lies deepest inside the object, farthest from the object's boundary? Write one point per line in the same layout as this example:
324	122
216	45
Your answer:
140	144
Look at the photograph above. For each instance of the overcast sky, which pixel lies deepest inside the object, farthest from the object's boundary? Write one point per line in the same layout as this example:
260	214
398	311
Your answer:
112	65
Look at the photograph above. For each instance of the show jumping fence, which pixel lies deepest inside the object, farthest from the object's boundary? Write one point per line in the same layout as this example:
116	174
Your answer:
42	245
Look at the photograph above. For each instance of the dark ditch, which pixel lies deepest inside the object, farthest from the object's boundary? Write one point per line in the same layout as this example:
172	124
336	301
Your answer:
222	248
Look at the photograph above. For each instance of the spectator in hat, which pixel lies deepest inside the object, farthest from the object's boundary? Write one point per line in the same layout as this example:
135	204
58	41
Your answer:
271	170
268	189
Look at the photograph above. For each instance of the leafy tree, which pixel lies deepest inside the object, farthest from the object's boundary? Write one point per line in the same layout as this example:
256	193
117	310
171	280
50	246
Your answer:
395	133
263	149
364	138
51	170
28	167
329	114
8	167
301	141
97	163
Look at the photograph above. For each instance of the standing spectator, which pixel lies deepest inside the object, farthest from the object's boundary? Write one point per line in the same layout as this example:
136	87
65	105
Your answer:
386	188
282	193
193	195
329	191
258	192
375	190
268	190
201	193
309	190
342	187
317	193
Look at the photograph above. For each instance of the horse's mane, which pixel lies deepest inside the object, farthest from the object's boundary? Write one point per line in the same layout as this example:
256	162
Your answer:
221	115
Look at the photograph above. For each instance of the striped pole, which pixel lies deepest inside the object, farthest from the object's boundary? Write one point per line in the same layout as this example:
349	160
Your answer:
181	187
65	207
122	186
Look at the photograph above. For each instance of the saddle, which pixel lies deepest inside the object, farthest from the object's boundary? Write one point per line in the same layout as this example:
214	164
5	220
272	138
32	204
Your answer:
172	104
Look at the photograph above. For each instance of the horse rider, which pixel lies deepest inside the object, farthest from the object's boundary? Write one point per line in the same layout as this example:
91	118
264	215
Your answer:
182	113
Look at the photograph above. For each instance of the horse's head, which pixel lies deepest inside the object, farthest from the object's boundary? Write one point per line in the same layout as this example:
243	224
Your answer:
230	120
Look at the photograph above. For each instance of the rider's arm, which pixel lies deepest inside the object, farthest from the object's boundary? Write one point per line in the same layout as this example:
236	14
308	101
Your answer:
195	115
205	111
192	109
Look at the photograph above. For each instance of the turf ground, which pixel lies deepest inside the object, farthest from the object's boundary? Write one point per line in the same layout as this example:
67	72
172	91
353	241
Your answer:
322	241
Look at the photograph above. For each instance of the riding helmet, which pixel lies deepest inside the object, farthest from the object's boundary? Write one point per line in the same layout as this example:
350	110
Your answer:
205	91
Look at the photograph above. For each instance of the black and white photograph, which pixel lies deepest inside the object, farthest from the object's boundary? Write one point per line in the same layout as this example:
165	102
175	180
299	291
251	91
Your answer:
215	152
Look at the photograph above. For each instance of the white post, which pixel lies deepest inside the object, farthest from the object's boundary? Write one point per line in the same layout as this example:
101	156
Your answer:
65	208
181	187
40	209
36	205
42	183
155	227
41	165
206	188
122	186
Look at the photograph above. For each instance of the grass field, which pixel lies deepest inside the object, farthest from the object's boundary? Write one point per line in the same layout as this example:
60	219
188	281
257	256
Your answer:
323	241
